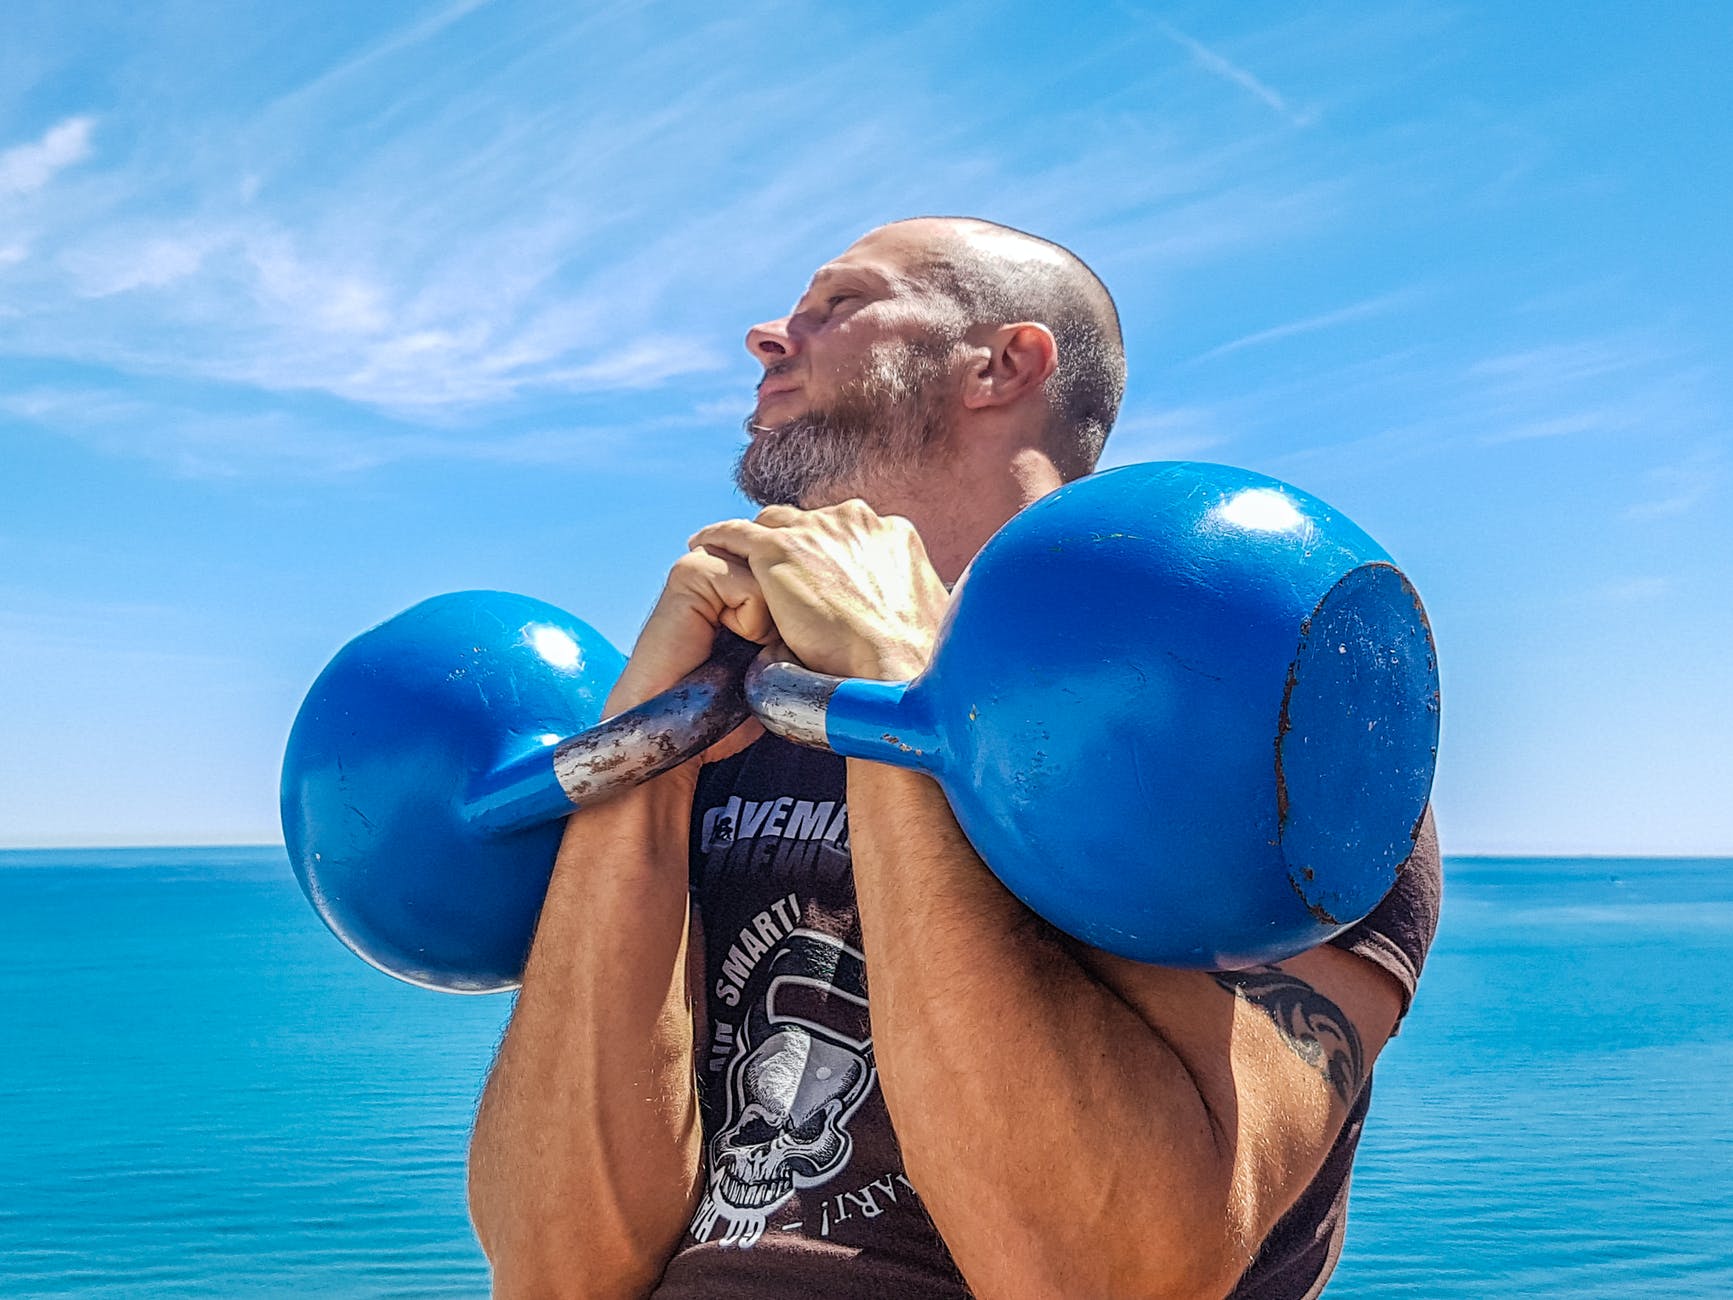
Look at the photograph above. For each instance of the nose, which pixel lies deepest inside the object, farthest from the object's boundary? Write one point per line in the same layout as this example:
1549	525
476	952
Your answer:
770	342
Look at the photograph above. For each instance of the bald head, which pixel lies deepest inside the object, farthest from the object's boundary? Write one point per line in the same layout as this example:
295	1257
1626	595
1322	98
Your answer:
928	342
996	275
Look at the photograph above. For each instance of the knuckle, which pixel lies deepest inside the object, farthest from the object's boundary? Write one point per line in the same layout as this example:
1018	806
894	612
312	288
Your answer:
851	515
719	526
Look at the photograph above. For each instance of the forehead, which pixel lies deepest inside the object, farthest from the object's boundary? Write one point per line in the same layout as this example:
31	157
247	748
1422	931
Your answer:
891	254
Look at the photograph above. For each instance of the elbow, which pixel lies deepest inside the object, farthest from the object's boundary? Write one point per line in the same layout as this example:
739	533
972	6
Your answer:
1205	1253
1193	1275
1204	1275
1204	1266
1164	1253
489	1213
521	1257
1198	1249
515	1284
483	1214
521	1271
531	1279
535	1253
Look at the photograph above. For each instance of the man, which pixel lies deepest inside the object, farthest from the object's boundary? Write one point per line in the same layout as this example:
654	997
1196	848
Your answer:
691	1099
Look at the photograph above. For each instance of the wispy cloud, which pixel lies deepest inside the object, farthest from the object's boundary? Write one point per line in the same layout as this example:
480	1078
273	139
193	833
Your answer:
26	168
458	252
1219	65
1377	407
393	42
1613	384
1362	310
1677	489
1551	365
1636	590
209	441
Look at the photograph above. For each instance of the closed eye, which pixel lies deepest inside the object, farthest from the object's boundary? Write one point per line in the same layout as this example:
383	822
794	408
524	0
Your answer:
837	299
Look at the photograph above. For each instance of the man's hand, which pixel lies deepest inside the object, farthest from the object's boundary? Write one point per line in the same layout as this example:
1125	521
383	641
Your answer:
851	592
704	591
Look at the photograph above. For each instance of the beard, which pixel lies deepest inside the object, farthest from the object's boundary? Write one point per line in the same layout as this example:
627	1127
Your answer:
878	426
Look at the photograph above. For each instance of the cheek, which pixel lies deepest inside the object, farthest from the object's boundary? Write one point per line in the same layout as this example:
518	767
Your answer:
848	349
831	362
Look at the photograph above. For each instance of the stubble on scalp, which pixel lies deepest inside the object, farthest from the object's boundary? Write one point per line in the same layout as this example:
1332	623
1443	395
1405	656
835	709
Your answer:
880	427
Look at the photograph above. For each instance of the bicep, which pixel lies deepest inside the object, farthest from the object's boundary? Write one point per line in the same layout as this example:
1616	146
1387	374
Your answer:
1306	1032
1278	1054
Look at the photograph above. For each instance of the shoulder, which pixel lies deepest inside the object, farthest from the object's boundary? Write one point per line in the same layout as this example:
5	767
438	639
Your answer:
1396	937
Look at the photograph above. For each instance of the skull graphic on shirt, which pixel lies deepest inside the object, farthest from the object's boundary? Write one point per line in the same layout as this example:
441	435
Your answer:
792	1084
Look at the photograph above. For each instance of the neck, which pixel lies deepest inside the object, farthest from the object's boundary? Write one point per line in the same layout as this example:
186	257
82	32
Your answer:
959	502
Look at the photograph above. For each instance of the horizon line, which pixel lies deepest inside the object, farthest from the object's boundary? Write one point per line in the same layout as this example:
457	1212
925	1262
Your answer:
1477	855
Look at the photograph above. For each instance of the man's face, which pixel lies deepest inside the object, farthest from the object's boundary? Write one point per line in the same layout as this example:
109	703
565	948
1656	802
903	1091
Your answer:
857	379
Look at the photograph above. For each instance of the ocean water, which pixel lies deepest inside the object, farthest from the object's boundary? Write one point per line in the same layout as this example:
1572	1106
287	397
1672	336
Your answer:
202	1094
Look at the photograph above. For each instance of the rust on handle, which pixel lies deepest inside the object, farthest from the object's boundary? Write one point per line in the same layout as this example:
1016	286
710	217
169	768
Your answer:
661	733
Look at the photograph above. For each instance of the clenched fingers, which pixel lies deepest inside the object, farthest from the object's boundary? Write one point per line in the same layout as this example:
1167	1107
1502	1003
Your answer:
851	592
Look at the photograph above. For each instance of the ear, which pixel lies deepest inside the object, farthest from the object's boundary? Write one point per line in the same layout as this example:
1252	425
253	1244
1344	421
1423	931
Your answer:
1010	365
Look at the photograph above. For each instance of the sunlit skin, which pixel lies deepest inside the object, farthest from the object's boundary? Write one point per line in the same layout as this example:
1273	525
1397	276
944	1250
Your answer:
858	299
993	461
1191	1122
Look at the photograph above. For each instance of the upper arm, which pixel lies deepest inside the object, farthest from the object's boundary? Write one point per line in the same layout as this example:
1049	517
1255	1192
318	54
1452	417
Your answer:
1278	1055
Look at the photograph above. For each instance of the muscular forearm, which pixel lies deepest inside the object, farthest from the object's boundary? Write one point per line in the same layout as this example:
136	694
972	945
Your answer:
1039	1116
584	1162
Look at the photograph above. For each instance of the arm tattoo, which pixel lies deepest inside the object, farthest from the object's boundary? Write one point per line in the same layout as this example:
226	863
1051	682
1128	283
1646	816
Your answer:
1317	1030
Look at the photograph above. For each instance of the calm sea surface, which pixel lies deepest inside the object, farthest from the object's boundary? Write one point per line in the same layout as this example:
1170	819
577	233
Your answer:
202	1094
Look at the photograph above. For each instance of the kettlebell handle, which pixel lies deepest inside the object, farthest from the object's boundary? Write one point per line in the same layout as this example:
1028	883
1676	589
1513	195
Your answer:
849	716
852	716
619	752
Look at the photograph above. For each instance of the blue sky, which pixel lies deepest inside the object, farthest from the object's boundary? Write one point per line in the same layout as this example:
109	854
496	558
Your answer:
310	311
